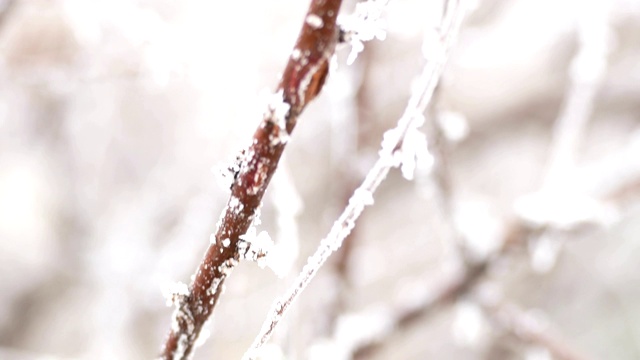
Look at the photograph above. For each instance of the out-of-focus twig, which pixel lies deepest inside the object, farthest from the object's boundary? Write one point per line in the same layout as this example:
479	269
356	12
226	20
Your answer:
447	289
587	70
302	80
529	329
5	12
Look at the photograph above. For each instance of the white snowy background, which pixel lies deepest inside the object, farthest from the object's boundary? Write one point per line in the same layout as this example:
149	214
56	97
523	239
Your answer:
115	116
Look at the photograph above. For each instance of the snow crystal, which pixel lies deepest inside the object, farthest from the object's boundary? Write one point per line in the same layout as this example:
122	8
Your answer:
415	153
387	153
295	54
278	110
314	21
235	205
364	24
224	176
363	196
175	292
255	246
226	242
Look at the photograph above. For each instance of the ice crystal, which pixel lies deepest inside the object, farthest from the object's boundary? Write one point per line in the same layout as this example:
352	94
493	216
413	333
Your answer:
314	21
175	292
255	246
365	24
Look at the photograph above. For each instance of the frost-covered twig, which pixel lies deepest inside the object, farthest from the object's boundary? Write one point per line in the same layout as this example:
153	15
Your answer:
302	80
390	156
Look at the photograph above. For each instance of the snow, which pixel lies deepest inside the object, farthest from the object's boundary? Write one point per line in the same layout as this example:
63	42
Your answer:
362	196
175	292
415	151
296	54
255	246
365	24
277	111
314	21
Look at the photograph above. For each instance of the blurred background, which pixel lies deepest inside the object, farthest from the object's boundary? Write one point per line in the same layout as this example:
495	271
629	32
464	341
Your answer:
518	239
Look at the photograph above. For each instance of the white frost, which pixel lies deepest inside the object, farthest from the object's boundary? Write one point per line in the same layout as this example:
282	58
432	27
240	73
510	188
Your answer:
415	152
365	24
255	246
277	110
314	21
174	292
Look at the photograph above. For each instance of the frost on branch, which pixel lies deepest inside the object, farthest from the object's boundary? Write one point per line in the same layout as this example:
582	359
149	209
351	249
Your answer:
255	247
277	110
365	24
175	292
415	152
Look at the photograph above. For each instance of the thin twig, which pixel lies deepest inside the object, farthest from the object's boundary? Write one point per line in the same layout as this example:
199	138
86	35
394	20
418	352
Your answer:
587	71
447	290
528	329
363	196
302	80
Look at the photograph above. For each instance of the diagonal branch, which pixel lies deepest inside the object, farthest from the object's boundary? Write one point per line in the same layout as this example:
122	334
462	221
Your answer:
302	80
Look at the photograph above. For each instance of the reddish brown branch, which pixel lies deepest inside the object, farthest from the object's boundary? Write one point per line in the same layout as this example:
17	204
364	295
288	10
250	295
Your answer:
302	80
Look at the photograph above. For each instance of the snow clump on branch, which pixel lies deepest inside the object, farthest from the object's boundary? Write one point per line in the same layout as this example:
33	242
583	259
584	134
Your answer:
365	24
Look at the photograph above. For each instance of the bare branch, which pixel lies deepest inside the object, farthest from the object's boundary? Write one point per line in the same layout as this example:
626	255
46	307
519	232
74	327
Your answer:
302	80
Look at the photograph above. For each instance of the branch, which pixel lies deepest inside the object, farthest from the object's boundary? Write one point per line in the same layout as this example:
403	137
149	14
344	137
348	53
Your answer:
528	329
303	79
363	196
